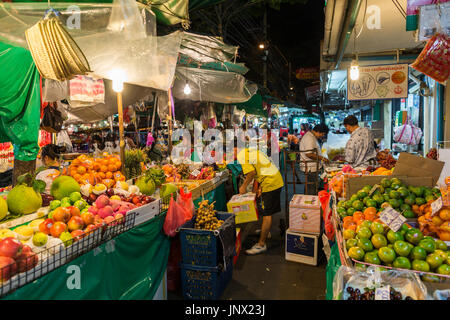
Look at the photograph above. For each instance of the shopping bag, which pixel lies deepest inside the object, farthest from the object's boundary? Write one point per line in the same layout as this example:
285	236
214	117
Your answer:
185	201
175	218
407	134
52	120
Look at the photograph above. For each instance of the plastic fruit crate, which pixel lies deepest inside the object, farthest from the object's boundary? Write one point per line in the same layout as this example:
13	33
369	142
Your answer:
204	247
205	283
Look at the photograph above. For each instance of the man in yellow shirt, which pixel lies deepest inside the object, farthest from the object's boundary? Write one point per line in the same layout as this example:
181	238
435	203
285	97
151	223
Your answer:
257	166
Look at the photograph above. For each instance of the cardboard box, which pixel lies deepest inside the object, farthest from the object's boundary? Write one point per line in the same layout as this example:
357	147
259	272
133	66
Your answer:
415	166
302	247
244	207
304	214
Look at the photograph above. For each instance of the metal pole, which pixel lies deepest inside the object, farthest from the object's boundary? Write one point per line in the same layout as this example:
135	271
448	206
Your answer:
265	49
121	134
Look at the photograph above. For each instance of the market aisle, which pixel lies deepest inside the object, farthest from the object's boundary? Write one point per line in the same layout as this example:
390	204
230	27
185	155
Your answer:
269	276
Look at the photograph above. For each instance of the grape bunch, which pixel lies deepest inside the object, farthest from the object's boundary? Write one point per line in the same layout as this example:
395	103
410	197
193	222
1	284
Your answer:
206	217
385	159
369	294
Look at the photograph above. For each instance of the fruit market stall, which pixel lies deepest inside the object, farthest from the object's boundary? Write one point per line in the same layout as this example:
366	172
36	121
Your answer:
398	226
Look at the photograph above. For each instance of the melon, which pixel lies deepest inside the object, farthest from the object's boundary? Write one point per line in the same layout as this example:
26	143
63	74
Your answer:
3	208
146	185
63	186
23	200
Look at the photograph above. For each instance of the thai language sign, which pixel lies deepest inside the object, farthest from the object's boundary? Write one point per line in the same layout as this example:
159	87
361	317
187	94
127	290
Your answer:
379	82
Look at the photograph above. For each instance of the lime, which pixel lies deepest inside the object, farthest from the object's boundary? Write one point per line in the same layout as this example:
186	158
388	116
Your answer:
404	192
74	197
418	253
429	198
379	240
378	198
396	181
420	265
364	232
396	186
442	253
428	245
386	254
409	214
394	236
413	236
366	188
356	253
54	204
358	205
441	245
394	194
434	260
371	203
418	192
342	211
385	182
410	199
386	197
366	199
405	207
443	269
402	263
377	227
349	234
395	203
347	204
372	257
365	244
351	211
362	194
420	201
341	203
351	243
366	223
354	198
402	248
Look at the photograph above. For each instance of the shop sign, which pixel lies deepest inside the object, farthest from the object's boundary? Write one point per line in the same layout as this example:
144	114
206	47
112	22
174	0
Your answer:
379	82
307	73
434	19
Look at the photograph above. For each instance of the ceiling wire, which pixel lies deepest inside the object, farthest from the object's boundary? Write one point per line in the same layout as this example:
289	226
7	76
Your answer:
399	8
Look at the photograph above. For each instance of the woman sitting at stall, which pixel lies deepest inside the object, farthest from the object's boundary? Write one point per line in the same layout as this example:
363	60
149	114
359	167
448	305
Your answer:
50	156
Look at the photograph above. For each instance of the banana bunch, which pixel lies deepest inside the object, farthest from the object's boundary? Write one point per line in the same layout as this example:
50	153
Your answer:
206	217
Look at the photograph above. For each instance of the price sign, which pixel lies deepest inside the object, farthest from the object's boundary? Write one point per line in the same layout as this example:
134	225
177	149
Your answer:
392	218
323	175
383	293
374	188
195	173
436	206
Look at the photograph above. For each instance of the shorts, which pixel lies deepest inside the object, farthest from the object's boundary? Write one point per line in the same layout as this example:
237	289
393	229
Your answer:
270	202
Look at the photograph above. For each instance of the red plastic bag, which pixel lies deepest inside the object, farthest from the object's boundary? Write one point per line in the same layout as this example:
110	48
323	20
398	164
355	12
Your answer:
185	201
324	198
434	60
175	218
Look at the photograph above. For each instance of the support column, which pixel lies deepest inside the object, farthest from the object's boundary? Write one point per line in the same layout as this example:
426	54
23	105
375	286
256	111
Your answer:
446	114
387	116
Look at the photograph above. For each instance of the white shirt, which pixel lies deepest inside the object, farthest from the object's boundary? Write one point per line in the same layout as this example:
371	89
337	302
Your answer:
309	142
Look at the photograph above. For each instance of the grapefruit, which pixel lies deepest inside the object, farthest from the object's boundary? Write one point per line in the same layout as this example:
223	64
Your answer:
23	200
63	186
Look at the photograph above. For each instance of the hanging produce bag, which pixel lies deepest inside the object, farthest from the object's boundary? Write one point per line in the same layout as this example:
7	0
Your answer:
434	60
175	218
185	201
86	89
407	134
52	120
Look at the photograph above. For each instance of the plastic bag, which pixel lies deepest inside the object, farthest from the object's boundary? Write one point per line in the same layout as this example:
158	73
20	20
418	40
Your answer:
175	218
87	89
434	60
185	201
407	134
63	139
405	282
52	120
55	90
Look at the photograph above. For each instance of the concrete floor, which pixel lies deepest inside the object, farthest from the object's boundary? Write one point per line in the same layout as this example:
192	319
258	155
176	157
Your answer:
269	276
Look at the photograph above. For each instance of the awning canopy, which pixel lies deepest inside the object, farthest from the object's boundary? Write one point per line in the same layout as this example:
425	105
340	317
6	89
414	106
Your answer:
253	106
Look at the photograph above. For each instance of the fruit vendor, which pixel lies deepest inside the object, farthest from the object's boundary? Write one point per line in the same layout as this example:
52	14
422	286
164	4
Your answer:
360	148
308	164
257	166
50	155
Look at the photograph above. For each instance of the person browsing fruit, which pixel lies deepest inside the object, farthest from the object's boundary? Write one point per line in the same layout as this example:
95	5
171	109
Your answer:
360	148
257	166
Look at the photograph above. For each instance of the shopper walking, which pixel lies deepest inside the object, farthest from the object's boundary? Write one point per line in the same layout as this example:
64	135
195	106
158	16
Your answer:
257	166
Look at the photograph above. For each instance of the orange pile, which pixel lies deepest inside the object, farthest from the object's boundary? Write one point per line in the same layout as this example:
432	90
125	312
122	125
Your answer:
104	170
352	222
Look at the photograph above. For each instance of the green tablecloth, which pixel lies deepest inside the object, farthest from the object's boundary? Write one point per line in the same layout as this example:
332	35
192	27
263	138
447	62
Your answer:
129	267
217	195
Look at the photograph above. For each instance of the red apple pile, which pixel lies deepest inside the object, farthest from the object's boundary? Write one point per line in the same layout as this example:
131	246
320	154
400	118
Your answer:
138	201
15	257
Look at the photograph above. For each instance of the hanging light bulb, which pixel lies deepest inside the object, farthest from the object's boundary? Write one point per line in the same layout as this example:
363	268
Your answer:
187	89
354	70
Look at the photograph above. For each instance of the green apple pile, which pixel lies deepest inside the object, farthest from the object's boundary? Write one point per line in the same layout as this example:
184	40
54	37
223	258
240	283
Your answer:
391	192
407	248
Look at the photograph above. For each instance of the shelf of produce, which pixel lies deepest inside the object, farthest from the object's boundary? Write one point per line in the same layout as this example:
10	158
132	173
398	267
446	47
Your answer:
41	213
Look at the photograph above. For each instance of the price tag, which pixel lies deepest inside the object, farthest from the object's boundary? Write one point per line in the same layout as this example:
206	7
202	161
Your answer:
383	293
392	218
195	173
374	188
323	175
436	206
